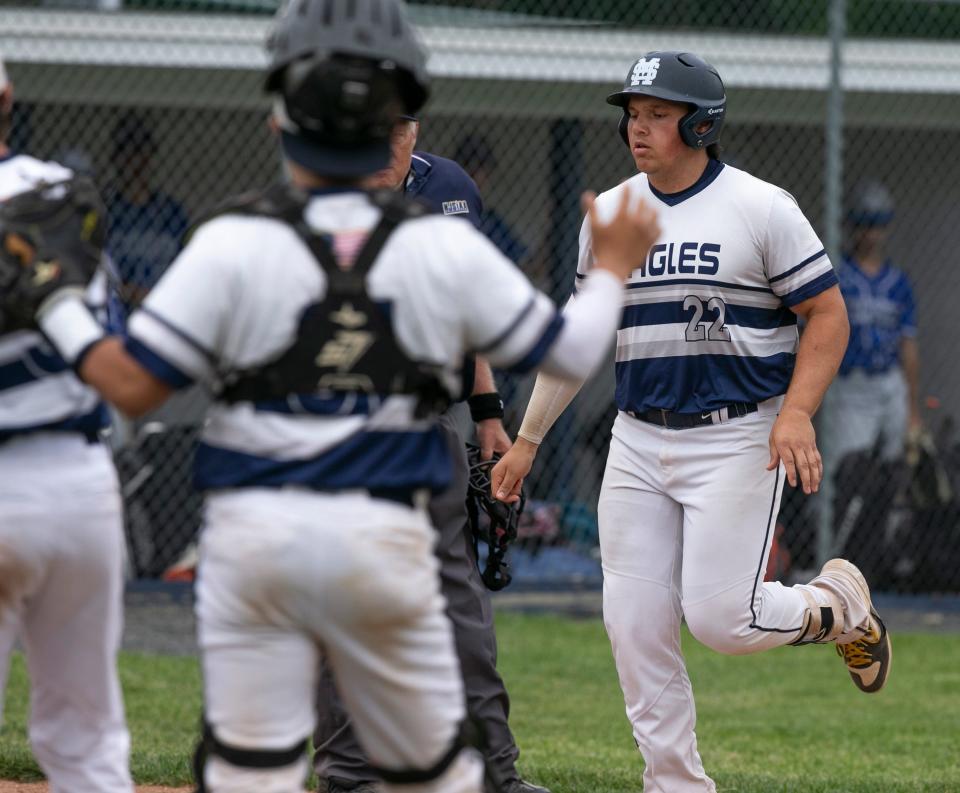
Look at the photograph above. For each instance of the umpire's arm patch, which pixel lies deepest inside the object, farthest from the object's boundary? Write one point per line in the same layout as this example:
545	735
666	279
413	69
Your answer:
459	207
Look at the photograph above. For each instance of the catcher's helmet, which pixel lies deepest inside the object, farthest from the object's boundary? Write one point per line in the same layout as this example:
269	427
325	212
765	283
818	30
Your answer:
343	71
491	521
677	77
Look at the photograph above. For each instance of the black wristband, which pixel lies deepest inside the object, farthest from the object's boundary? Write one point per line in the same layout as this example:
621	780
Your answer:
485	406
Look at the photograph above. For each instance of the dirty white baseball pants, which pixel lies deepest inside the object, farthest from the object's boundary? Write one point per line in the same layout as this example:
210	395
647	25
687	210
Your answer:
686	520
287	574
61	590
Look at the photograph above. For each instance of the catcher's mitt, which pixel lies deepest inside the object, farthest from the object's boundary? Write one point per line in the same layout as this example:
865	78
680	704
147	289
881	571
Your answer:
51	237
491	521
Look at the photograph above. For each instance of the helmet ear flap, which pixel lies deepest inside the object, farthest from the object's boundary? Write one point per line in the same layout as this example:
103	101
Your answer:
693	119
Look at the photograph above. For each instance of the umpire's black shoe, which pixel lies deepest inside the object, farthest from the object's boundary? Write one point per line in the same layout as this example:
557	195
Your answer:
519	786
336	785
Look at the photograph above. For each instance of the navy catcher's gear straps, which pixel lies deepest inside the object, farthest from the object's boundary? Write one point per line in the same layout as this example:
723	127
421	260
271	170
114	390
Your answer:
345	343
245	758
351	281
469	736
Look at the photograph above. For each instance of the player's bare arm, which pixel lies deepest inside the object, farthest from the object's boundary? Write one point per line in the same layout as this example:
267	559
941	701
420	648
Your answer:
121	380
55	287
824	339
491	436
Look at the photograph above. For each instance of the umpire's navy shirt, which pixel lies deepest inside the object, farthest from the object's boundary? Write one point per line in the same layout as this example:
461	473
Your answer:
445	186
448	190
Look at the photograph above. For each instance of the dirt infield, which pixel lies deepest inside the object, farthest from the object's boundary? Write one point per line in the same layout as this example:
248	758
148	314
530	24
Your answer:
41	787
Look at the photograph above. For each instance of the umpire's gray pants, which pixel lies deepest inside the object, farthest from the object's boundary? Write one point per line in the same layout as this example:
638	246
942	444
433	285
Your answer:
468	606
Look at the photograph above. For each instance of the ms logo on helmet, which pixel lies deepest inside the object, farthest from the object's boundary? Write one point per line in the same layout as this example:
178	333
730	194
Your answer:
645	72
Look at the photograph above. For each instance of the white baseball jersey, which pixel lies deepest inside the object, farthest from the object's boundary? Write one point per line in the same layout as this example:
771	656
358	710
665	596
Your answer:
707	320
65	565
225	305
686	516
38	390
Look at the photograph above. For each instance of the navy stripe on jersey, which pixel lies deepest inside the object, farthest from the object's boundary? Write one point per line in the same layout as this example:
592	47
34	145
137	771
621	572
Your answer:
539	350
178	332
711	172
393	461
343	405
505	334
693	384
804	263
811	289
673	312
30	366
88	424
158	366
698	281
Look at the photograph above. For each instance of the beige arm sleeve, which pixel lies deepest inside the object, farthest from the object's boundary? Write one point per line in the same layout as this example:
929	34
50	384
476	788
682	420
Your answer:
549	399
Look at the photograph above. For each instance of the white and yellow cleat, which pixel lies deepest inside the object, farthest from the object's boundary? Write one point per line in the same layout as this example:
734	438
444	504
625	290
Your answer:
868	658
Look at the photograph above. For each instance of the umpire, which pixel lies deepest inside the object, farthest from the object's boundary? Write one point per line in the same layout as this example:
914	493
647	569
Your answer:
339	761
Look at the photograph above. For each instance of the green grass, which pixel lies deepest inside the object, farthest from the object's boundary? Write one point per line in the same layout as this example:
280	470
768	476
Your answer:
787	721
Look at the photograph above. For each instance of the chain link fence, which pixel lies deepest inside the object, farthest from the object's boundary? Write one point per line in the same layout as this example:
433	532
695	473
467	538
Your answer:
854	107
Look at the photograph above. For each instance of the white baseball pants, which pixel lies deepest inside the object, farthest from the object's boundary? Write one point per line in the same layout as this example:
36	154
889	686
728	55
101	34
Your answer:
287	574
61	590
686	521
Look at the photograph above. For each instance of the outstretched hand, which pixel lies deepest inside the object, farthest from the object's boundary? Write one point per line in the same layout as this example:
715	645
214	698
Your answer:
622	245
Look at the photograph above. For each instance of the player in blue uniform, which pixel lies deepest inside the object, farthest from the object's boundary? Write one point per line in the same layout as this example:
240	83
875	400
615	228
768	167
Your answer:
339	760
874	401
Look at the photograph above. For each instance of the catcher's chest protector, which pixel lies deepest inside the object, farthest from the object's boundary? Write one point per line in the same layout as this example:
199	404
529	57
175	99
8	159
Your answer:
345	344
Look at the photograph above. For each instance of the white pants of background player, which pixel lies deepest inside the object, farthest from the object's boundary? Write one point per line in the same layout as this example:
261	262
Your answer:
686	520
287	574
859	411
61	589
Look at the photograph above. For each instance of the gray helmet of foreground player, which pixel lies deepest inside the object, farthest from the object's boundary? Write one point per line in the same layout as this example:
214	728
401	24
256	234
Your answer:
678	77
343	72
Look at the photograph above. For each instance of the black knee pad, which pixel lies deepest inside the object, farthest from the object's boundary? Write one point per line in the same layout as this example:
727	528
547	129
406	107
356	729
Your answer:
245	758
469	736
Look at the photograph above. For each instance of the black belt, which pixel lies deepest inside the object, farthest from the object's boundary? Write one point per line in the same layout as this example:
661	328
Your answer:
91	436
685	421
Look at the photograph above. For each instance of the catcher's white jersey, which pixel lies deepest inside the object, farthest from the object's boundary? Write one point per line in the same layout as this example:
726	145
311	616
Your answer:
37	388
707	319
224	305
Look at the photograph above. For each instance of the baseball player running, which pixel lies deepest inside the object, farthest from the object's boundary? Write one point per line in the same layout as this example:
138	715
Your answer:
332	324
61	531
715	397
338	760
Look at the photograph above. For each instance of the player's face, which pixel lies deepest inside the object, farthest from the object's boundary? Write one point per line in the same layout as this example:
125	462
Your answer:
653	132
402	142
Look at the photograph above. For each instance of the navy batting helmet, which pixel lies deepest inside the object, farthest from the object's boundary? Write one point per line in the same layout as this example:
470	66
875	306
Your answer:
344	71
677	77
